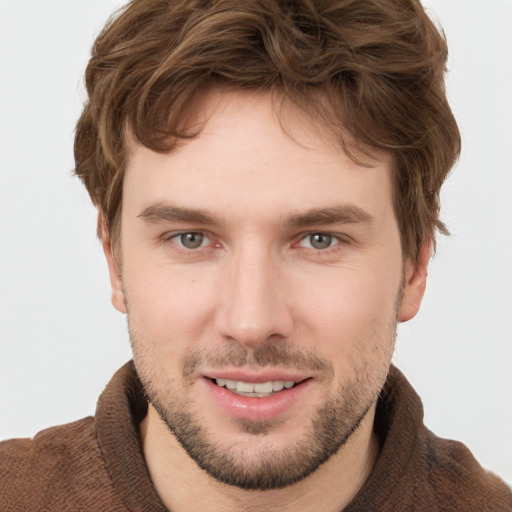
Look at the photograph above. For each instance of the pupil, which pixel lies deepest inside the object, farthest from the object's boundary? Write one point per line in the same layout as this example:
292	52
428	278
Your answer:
192	240
320	241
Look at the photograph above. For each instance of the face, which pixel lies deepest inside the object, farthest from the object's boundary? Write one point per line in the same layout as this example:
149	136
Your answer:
262	275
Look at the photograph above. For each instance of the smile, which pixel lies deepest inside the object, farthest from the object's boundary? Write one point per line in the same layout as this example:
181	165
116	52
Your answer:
255	389
267	397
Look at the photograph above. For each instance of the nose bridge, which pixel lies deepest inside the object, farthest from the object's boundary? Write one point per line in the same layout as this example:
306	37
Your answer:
253	306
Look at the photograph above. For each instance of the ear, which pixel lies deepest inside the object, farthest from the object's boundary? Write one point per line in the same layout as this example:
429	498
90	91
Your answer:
116	281
415	284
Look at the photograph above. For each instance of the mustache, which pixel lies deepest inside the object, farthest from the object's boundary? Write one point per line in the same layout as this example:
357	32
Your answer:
269	354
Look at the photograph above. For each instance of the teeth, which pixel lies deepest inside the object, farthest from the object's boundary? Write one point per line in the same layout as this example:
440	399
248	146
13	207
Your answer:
245	387
263	387
277	385
230	384
255	389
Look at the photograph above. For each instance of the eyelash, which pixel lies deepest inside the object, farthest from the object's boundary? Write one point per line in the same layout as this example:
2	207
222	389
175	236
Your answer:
174	236
336	238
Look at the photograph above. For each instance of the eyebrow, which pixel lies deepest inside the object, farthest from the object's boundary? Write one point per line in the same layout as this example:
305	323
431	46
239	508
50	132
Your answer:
159	212
344	214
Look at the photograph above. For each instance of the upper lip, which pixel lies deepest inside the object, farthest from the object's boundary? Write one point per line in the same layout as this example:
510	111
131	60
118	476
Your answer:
265	375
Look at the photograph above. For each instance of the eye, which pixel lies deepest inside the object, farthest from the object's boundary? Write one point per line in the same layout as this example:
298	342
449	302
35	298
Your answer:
191	240
319	241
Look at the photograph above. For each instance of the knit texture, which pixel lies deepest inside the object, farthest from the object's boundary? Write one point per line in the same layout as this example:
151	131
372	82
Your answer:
96	464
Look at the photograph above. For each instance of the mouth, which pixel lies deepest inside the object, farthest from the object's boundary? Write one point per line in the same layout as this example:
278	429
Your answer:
253	397
255	389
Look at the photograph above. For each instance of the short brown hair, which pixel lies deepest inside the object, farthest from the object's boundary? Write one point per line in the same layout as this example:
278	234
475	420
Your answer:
378	65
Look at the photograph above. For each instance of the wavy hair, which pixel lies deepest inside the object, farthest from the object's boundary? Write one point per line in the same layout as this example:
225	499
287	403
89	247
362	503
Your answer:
372	68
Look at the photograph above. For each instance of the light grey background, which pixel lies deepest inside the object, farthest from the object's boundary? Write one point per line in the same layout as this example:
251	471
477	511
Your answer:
61	340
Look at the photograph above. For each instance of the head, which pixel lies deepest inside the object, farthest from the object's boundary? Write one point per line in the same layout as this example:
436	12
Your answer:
267	176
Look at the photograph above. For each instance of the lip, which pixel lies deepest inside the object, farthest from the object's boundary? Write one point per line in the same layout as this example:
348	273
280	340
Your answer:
254	377
253	408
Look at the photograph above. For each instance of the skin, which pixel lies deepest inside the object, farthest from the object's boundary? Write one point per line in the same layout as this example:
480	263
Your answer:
258	280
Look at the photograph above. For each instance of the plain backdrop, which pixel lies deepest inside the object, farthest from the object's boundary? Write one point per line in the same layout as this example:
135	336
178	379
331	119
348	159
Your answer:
60	338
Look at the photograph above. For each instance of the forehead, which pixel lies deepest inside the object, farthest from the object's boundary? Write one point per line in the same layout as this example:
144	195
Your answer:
253	151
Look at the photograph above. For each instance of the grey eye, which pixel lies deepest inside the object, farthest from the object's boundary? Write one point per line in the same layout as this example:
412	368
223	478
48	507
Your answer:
192	240
320	240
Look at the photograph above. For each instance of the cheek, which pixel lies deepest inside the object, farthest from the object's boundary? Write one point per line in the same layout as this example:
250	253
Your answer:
169	304
166	315
351	314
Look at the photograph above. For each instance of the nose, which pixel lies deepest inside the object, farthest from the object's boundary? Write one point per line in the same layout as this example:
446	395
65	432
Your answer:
254	304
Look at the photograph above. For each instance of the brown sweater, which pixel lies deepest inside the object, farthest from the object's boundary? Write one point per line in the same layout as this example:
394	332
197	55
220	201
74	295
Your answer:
96	464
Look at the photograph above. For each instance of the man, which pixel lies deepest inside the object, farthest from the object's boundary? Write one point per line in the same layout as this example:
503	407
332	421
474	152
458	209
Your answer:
267	178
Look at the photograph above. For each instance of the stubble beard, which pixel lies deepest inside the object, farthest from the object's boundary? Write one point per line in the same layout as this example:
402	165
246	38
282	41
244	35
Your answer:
267	467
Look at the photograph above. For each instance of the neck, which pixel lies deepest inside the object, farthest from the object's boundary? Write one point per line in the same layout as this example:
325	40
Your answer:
184	487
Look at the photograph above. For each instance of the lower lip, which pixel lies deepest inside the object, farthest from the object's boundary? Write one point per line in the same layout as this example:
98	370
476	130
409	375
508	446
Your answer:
256	408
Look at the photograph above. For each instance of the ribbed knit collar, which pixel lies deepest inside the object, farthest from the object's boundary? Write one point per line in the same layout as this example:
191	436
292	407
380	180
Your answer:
121	408
399	425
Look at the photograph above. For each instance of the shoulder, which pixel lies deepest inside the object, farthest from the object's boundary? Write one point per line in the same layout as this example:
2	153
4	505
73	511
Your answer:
60	469
419	471
457	480
49	447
